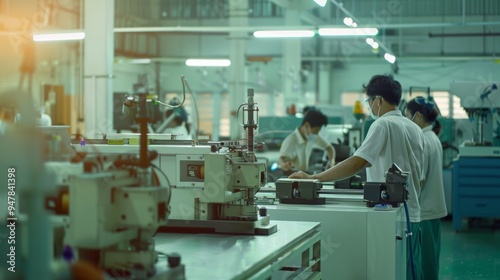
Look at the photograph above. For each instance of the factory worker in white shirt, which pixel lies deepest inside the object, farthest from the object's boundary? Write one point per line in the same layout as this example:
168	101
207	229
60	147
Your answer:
296	149
392	138
432	201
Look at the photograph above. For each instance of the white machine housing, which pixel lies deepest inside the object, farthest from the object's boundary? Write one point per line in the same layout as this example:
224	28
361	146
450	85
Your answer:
224	190
205	185
108	210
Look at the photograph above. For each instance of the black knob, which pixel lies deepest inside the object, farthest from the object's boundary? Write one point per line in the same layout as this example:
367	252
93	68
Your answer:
262	211
174	260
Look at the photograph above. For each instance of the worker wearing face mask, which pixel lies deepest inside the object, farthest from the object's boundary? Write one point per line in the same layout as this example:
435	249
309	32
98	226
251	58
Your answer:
297	147
392	138
432	202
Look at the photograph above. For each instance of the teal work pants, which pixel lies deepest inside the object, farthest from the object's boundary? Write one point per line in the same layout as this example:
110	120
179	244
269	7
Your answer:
416	240
431	247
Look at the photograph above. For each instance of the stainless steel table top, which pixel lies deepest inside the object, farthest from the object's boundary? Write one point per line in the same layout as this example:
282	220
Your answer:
224	256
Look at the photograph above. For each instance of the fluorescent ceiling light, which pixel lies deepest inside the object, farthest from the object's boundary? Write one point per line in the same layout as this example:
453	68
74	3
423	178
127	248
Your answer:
372	43
322	3
59	37
348	21
283	33
389	57
347	31
208	62
141	61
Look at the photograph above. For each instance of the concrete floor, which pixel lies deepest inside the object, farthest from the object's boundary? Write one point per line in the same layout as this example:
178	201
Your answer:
471	254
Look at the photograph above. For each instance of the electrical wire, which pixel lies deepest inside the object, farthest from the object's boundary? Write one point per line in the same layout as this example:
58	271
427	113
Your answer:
409	240
183	97
238	114
163	173
197	130
168	182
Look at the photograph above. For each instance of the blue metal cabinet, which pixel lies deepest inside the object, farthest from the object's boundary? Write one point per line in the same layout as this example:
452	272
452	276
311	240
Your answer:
476	189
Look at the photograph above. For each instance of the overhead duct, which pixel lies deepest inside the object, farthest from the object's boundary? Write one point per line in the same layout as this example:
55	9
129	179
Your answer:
432	35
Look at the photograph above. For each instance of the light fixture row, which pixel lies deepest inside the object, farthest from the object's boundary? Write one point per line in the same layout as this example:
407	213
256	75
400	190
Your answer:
305	33
339	32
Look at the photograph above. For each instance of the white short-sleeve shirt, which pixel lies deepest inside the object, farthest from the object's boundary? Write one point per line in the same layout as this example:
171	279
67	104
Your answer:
432	201
298	150
393	138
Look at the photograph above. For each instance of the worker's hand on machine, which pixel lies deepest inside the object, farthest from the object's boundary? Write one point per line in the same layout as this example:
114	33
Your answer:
300	175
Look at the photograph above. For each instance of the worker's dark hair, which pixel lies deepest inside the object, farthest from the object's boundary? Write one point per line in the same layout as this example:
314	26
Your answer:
436	127
424	107
307	109
315	118
385	86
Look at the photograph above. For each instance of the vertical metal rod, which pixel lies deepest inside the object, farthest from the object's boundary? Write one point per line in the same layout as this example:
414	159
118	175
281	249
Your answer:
481	127
463	12
251	122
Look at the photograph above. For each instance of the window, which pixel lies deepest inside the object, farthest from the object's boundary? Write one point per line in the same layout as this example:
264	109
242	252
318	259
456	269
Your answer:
214	8
449	105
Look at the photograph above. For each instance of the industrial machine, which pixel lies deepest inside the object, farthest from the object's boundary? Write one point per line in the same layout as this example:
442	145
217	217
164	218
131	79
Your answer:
116	205
216	191
299	191
213	184
475	184
482	103
393	191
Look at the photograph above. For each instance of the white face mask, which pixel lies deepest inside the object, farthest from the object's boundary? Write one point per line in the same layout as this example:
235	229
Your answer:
310	136
371	111
413	119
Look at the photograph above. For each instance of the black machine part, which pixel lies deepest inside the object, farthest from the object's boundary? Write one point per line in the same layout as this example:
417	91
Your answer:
299	191
392	191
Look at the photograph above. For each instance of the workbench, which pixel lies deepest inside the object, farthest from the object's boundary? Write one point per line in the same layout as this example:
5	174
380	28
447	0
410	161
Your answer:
357	242
295	248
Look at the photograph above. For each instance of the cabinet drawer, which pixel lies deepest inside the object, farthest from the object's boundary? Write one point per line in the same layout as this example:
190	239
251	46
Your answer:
479	181
485	192
480	207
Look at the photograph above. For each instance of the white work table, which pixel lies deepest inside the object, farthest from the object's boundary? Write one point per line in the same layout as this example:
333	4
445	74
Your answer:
357	242
225	256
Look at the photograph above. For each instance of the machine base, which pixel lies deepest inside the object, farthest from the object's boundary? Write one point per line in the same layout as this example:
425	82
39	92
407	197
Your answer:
315	201
162	273
259	227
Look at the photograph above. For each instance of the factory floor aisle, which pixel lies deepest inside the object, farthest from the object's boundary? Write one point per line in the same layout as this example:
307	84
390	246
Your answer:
472	254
